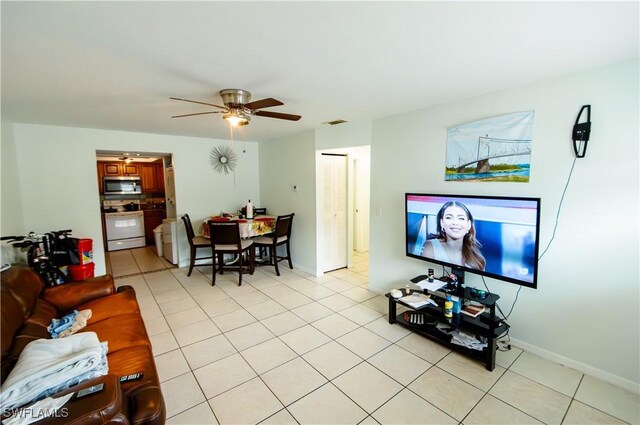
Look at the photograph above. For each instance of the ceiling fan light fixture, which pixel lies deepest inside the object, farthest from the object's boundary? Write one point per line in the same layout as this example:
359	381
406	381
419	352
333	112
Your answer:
237	118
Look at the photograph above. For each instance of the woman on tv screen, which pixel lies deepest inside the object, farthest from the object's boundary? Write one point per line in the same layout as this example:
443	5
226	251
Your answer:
455	241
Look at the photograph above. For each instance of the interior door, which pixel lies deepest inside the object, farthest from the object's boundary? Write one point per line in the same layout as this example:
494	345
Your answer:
334	217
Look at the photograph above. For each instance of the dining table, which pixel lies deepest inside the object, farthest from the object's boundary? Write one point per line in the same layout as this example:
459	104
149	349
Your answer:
249	227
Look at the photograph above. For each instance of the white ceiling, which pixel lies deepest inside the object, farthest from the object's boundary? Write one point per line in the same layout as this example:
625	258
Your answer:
114	65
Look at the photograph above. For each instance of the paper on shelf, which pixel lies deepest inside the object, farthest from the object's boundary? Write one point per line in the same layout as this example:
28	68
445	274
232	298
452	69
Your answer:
417	300
431	286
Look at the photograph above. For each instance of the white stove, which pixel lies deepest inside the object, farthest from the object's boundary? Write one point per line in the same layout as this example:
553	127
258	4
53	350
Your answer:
124	228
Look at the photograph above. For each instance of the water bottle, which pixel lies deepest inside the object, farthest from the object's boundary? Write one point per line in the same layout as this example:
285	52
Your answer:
249	213
448	308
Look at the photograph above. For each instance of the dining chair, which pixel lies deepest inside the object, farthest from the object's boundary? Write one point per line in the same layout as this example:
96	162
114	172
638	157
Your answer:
195	242
281	236
260	211
225	239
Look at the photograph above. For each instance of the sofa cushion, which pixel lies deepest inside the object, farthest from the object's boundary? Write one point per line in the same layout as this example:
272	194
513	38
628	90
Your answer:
125	330
124	302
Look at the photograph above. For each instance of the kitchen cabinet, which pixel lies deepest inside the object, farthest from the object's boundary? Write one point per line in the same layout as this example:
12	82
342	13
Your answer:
152	219
151	174
152	178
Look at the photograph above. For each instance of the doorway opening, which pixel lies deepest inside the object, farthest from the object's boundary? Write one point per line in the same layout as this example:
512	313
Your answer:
137	195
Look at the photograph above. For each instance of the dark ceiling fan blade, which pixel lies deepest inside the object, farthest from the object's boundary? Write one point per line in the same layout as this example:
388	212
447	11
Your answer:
197	113
263	103
200	103
278	115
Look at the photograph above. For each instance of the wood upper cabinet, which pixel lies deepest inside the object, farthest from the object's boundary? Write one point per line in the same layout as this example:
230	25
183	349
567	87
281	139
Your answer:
148	178
151	174
110	168
159	177
152	178
131	169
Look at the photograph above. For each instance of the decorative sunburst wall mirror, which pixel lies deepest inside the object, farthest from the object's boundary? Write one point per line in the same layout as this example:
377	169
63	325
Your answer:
223	159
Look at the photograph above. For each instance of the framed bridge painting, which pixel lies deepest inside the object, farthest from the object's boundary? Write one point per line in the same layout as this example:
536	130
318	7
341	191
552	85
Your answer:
495	149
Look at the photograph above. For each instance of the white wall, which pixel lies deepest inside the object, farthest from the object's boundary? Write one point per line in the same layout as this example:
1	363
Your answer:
58	186
586	307
283	164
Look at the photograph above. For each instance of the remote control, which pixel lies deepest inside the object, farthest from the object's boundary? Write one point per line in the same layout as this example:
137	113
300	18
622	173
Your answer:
131	377
90	390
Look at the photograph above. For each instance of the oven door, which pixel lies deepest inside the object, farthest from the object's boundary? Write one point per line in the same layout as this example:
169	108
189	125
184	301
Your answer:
124	230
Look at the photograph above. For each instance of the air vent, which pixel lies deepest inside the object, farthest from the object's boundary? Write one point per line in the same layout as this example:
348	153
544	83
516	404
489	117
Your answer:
335	122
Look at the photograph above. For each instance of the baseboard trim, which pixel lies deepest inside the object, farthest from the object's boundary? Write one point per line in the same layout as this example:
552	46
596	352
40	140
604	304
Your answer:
306	270
605	376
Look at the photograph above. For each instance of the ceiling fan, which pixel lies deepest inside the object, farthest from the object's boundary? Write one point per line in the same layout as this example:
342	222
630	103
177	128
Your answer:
238	110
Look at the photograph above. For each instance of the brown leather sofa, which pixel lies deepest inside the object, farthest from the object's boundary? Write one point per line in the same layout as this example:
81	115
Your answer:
27	309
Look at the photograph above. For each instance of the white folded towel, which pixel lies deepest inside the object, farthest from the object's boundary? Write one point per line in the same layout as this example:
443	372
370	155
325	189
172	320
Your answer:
47	364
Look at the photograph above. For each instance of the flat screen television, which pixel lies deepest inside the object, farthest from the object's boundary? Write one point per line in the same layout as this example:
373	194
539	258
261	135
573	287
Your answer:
491	236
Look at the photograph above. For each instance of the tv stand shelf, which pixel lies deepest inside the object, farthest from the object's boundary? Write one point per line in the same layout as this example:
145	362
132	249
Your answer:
486	325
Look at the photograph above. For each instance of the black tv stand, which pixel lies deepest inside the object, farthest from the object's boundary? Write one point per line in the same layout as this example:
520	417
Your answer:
487	325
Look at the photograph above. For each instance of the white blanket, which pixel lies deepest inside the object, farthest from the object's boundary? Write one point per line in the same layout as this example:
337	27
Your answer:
45	364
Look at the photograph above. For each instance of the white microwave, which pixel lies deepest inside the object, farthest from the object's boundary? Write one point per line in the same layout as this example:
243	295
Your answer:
121	185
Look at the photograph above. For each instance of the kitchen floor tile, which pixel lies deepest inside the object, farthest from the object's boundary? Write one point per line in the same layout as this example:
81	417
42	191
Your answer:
197	415
312	311
581	414
535	399
248	336
610	399
337	302
219	377
389	332
186	317
265	309
490	410
218	307
360	314
304	339
557	377
446	392
470	370
334	325
181	393
326	405
268	355
332	359
282	323
408	408
399	364
231	407
283	417
233	320
293	380
196	332
208	351
363	342
367	386
423	347
171	364
162	343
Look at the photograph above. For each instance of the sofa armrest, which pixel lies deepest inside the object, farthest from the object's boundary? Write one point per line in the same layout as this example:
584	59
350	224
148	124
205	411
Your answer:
106	406
66	297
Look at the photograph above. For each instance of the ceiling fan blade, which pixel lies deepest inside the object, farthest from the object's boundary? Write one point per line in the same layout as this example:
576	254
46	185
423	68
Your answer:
200	103
263	103
278	115
197	113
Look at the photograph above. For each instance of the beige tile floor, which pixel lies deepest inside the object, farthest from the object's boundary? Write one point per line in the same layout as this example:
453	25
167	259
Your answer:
304	349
